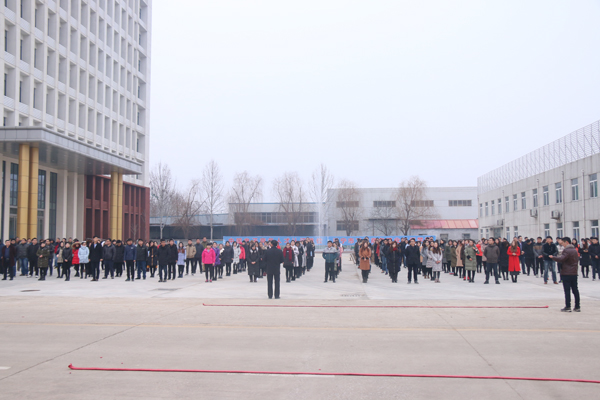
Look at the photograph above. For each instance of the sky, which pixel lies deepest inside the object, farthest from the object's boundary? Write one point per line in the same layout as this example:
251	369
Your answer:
377	90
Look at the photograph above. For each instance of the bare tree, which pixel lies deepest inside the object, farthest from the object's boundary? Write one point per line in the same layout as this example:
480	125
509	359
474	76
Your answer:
212	191
245	190
162	189
385	219
188	204
348	202
321	182
412	204
289	190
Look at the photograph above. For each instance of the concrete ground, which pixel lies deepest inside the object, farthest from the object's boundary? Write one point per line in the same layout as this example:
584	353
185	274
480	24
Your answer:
48	325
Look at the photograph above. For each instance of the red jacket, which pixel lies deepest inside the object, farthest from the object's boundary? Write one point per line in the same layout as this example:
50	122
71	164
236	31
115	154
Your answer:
514	264
208	256
288	254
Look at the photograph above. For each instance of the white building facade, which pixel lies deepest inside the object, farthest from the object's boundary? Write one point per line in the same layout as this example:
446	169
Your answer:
552	191
74	141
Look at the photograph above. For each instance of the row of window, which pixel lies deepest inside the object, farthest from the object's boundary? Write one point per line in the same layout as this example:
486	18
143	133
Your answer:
423	203
560	232
484	208
281	218
42	182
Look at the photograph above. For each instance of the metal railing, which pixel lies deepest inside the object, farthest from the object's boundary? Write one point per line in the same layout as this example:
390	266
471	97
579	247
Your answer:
575	146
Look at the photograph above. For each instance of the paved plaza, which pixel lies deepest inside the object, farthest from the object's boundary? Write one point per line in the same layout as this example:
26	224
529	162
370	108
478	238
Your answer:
48	325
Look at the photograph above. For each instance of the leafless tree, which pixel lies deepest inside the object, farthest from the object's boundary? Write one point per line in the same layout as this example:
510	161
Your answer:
245	190
348	202
321	182
188	204
412	204
385	219
162	189
212	191
289	191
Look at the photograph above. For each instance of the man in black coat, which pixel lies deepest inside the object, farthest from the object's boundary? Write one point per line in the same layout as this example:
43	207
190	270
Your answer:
163	255
172	259
198	257
33	257
273	260
95	258
413	260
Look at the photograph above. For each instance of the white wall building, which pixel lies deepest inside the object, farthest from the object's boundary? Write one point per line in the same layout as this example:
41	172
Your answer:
76	105
552	191
456	209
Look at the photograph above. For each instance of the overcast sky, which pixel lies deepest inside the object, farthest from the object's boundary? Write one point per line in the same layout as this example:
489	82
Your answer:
378	90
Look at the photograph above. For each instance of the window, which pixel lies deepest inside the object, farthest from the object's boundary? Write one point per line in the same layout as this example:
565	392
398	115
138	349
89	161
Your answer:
480	210
576	230
595	228
546	196
466	236
5	84
348	204
493	207
516	231
20	91
422	203
499	206
574	189
507	204
559	229
535	200
546	230
523	201
458	203
14	184
21	50
53	203
41	189
508	233
593	185
486	209
5	40
352	225
382	203
558	187
514	202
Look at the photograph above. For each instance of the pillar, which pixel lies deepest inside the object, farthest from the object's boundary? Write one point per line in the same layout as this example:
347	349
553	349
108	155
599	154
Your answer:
114	209
23	192
34	167
120	209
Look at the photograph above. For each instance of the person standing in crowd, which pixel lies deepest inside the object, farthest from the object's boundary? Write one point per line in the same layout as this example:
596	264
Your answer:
503	259
190	257
9	263
584	258
288	262
243	251
514	260
261	261
151	252
460	260
219	270
32	257
393	257
108	256
356	251
198	256
119	259
83	254
453	258
43	253
479	256
181	257
227	258
310	254
549	249
140	255
301	256
296	268
253	263
172	259
569	260
59	260
273	259
470	253
208	259
435	258
22	258
163	256
95	258
217	264
538	256
66	259
413	260
330	254
528	255
491	254
594	250
365	260
236	257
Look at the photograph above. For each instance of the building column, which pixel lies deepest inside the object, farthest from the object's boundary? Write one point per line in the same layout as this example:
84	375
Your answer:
34	167
120	208
114	209
23	192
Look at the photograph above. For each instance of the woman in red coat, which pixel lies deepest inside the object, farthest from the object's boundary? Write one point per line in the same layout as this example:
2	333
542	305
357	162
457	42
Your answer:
514	265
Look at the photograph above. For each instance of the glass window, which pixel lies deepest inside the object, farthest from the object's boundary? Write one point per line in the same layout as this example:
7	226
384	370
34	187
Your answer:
514	202
506	204
459	203
558	187
486	209
14	185
546	230
516	231
499	206
53	202
546	196
575	189
508	233
535	200
523	201
576	230
41	189
595	228
481	210
594	185
493	207
559	229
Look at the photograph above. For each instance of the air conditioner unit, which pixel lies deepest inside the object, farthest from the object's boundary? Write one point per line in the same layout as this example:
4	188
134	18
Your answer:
500	222
555	215
533	213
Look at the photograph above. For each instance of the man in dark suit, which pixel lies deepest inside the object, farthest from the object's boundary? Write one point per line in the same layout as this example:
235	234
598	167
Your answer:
95	258
273	259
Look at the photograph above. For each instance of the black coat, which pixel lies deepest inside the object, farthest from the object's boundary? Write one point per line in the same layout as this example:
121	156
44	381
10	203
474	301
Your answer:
503	257
152	256
119	254
413	255
253	256
172	253
227	255
164	254
141	253
273	259
199	250
67	255
32	251
95	252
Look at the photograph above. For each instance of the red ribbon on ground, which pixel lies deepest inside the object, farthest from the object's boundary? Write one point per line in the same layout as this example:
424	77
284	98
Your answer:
299	306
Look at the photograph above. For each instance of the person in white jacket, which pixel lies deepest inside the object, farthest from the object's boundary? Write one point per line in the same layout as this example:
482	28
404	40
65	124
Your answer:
434	261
